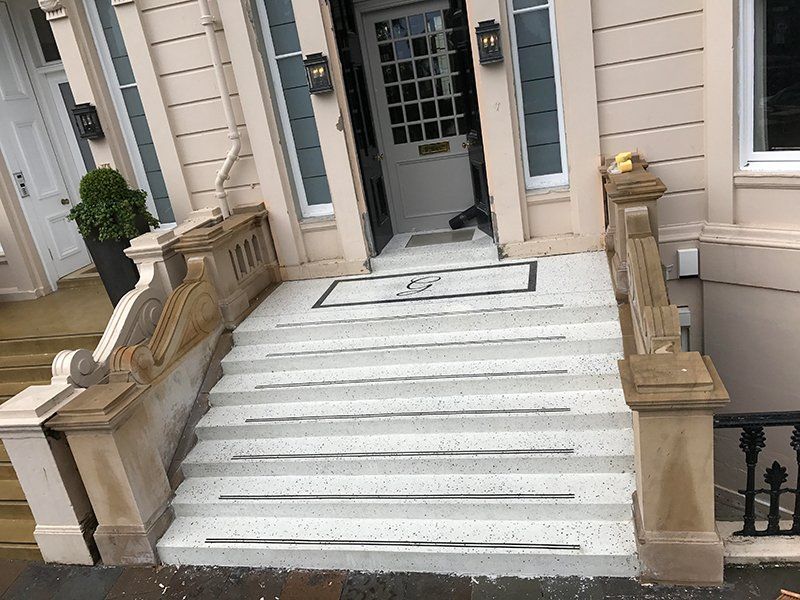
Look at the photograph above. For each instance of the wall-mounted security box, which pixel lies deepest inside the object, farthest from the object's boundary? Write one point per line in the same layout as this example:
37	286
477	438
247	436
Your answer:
688	262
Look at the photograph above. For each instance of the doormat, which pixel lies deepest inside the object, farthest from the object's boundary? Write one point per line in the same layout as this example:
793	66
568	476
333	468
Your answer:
440	237
488	280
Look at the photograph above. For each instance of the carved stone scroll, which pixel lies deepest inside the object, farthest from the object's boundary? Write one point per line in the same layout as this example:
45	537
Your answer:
190	314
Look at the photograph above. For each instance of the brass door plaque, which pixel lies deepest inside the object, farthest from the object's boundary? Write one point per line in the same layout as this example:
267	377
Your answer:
436	148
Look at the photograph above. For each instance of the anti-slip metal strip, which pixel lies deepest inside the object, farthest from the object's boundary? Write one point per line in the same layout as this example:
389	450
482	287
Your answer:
547	338
419	315
422	497
275	386
431	413
407	543
512	452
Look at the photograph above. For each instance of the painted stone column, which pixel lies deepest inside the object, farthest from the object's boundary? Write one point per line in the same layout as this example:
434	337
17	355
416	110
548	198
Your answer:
333	143
48	475
494	84
674	397
155	104
73	36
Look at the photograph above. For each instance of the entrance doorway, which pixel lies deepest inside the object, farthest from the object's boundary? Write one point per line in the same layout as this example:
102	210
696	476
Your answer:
411	90
43	155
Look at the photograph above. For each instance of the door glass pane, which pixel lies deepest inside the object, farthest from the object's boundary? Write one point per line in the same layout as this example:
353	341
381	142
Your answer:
777	76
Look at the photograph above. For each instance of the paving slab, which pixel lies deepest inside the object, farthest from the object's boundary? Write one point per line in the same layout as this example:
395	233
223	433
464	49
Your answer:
313	585
43	582
9	571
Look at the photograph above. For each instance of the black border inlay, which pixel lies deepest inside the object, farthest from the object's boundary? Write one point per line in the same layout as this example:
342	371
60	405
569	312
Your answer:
279	386
430	413
506	452
419	315
531	287
407	543
422	497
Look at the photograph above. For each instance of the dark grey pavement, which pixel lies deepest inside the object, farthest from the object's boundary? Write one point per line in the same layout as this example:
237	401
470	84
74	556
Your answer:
35	581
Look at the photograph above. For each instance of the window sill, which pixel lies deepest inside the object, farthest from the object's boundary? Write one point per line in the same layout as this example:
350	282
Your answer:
766	180
317	223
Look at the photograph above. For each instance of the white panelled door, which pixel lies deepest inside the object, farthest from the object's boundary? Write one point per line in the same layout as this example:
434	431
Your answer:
32	162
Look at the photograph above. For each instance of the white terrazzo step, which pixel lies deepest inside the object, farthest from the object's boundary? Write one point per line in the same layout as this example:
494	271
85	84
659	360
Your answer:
425	318
595	371
468	547
595	450
497	344
577	496
595	409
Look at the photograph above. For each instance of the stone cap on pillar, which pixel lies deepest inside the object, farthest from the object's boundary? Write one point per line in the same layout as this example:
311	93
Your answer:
635	187
204	239
682	381
34	405
157	243
101	407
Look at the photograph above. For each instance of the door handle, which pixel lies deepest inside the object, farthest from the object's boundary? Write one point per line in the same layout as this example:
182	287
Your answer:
467	144
65	201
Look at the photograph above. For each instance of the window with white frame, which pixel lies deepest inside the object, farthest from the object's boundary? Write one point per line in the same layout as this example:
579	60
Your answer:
118	69
770	80
285	63
538	85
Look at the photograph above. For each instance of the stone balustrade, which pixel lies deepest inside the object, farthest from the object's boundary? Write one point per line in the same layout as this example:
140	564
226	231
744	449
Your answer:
161	269
241	259
638	188
674	396
124	433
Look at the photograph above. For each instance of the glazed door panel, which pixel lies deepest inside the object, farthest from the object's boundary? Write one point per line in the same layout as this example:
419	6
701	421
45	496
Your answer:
420	113
32	162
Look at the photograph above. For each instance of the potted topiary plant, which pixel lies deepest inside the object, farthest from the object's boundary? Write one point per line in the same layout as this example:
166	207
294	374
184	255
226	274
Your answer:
110	215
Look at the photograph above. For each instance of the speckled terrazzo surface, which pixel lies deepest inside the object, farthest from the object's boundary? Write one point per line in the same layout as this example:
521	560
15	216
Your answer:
460	419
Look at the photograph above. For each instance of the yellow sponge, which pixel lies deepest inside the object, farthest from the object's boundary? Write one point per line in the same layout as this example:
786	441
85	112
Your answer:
622	157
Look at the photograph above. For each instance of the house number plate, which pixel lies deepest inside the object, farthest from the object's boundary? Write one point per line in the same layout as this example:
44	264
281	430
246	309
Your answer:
437	148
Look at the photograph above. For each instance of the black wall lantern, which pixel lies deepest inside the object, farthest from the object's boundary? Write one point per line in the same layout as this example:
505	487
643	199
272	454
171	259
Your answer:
318	73
87	121
489	48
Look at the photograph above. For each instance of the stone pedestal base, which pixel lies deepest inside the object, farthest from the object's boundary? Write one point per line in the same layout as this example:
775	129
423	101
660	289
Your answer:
132	544
67	544
679	557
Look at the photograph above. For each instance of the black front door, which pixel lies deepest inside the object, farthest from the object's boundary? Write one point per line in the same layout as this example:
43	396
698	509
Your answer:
481	210
369	155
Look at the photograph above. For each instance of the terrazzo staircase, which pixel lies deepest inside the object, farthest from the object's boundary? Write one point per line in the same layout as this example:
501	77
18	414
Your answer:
485	434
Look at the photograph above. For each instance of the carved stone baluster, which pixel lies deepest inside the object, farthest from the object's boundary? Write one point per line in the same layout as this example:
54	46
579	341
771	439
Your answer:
751	442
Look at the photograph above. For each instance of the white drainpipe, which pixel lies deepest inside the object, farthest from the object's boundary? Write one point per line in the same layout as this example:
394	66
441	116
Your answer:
207	20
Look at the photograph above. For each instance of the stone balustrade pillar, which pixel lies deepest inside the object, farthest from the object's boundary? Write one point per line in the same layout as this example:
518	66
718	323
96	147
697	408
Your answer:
674	397
122	470
48	475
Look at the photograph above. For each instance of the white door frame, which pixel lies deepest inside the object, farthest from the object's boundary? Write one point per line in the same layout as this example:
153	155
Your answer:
56	135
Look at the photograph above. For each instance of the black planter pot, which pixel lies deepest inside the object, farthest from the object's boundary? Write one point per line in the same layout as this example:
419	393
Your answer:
118	272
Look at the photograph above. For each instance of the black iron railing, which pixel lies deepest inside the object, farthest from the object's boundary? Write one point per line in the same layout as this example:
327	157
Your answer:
752	441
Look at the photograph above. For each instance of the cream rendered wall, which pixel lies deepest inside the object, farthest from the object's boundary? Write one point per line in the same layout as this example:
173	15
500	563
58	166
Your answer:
649	70
182	64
